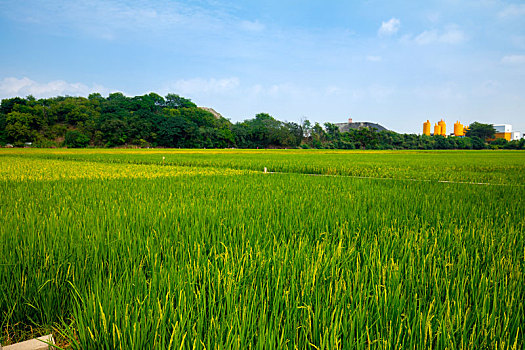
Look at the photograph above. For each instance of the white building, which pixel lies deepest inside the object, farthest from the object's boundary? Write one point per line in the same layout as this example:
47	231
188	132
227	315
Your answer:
515	135
503	127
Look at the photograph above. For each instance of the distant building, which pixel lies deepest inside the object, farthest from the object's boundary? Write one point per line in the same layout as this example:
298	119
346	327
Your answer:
345	127
502	128
503	131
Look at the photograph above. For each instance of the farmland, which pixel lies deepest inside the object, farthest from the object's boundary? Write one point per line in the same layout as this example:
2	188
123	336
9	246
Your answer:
137	249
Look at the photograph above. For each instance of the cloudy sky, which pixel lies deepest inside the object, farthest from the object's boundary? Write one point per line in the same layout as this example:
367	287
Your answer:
394	62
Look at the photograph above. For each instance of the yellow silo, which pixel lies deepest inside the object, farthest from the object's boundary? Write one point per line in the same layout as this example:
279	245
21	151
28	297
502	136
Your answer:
426	128
443	126
458	129
437	130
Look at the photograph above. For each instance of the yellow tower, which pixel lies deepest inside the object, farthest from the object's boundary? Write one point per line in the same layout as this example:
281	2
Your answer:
437	130
443	126
426	128
459	129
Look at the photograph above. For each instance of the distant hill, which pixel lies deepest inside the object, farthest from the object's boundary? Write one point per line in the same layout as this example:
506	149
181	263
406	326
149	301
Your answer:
345	127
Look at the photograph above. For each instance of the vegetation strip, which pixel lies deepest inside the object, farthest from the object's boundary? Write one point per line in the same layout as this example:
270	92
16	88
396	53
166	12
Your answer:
176	122
460	166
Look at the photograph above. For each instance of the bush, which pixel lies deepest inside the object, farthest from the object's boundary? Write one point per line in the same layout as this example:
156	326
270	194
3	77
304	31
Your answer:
498	143
478	143
45	143
76	139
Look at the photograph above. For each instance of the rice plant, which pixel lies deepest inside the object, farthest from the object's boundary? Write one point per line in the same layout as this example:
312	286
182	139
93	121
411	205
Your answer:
113	250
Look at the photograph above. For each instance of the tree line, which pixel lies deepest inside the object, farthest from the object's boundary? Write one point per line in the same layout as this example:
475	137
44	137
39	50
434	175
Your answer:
174	121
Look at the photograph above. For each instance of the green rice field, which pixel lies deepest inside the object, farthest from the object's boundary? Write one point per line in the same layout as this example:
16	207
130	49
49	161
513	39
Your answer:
184	249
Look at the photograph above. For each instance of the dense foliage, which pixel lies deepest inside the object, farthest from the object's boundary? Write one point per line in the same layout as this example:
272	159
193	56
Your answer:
483	131
176	122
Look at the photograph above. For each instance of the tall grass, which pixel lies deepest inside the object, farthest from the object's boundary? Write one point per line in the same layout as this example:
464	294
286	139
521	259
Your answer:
215	259
499	167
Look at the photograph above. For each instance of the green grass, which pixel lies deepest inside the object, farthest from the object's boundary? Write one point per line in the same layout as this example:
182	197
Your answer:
218	259
471	166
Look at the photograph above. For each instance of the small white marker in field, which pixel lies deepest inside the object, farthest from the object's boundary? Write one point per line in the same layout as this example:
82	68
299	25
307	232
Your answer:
265	170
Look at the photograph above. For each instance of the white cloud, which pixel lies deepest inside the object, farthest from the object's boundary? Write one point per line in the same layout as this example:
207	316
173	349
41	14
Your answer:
513	10
513	59
333	90
252	26
110	20
374	58
518	41
434	17
204	89
11	87
275	91
390	27
199	85
286	89
451	35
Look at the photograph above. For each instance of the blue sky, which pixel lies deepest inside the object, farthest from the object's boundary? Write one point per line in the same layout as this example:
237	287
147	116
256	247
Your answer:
397	63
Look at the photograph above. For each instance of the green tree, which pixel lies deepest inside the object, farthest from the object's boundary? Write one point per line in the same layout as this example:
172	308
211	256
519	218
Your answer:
483	131
294	134
318	135
20	127
9	104
367	137
515	144
332	131
115	132
306	127
464	142
76	139
441	142
175	101
499	143
478	143
95	96
264	130
3	135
